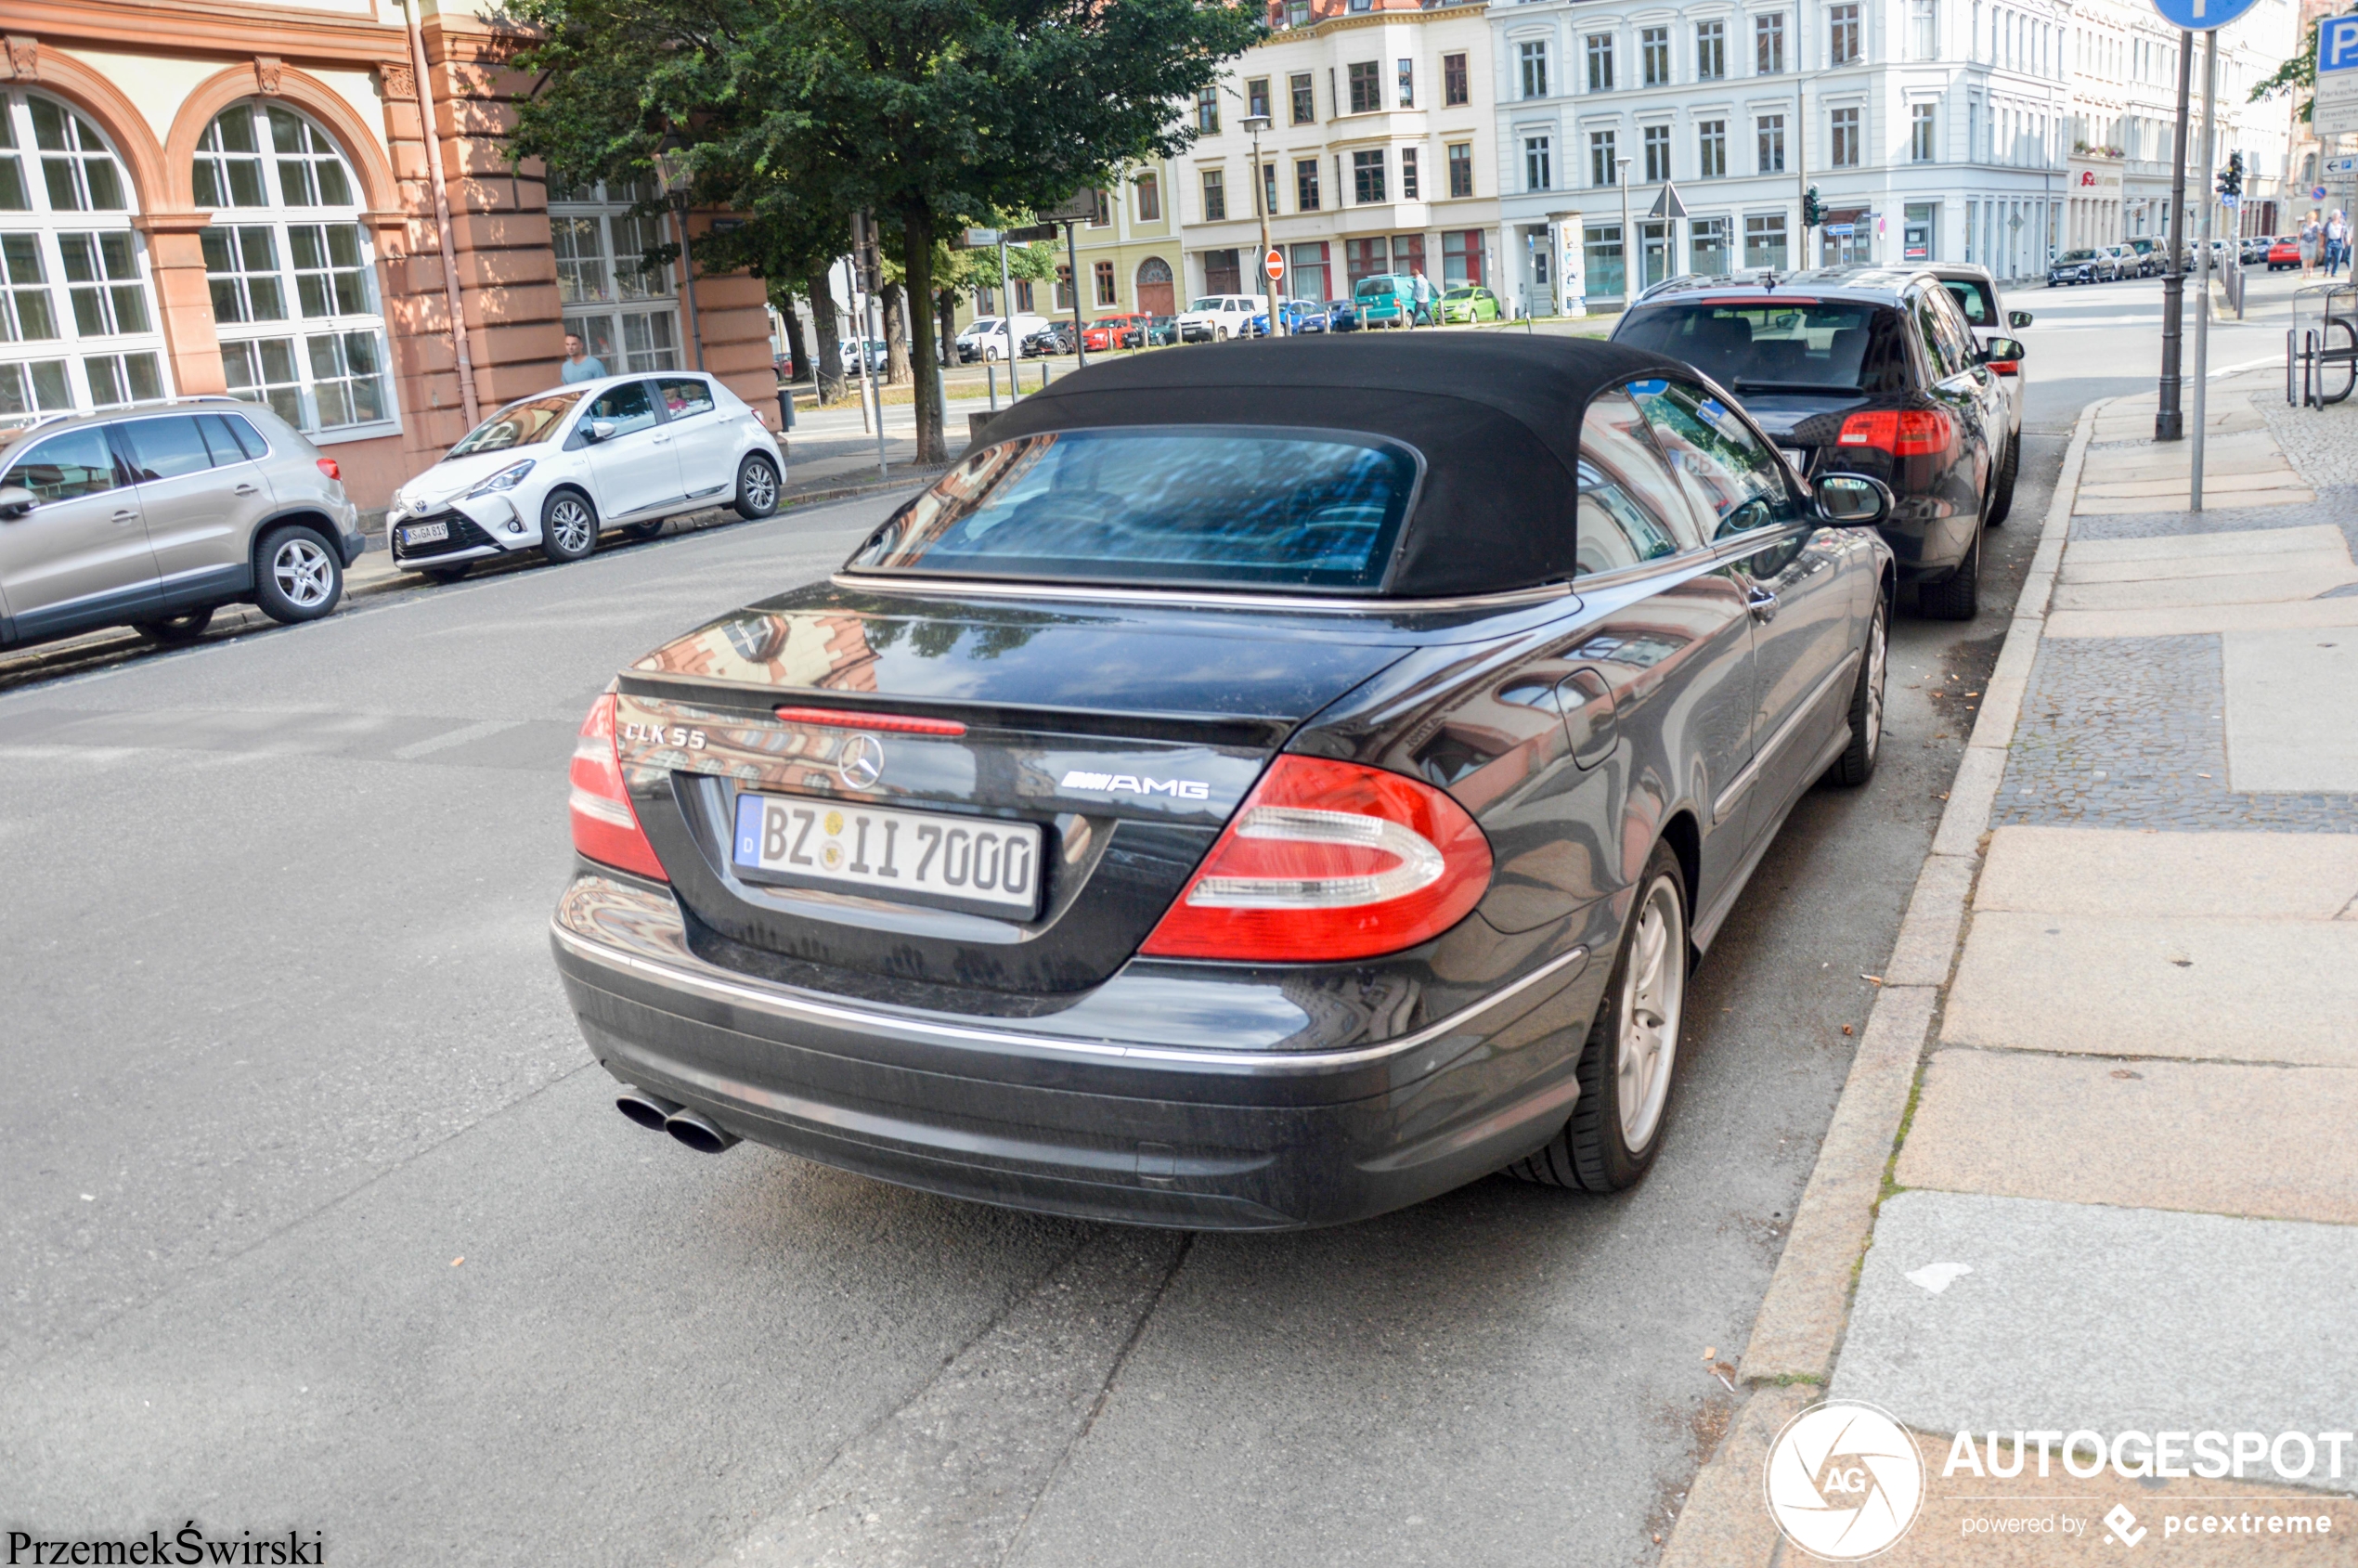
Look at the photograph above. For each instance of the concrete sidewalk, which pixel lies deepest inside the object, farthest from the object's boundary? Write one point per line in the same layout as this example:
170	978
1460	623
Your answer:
2111	1091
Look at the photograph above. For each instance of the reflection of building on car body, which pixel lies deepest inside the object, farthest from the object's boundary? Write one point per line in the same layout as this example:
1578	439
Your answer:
549	472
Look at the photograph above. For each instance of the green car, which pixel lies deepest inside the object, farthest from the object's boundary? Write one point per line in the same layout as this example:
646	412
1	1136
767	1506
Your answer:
1470	304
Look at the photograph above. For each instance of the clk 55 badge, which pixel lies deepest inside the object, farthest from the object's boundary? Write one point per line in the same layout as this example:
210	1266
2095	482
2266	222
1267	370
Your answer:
655	734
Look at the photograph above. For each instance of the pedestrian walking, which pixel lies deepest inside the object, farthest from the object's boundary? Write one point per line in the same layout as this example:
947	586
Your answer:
580	364
2313	236
2336	243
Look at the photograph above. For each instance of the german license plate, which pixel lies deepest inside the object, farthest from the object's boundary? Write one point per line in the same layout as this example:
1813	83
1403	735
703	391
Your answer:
919	854
425	533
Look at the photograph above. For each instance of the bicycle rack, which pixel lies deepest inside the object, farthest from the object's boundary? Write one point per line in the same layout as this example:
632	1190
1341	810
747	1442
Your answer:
2321	347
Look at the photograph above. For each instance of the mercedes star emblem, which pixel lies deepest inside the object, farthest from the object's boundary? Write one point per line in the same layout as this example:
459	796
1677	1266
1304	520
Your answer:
862	762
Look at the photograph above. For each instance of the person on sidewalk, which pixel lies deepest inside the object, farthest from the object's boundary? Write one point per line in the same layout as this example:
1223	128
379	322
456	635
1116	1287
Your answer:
2313	234
2336	243
580	364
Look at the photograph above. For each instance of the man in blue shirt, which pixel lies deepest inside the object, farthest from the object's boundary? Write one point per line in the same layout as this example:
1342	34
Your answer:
580	364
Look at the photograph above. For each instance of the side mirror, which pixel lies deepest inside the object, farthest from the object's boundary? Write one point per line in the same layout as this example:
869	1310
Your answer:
2017	319
1853	501
16	500
2007	351
602	430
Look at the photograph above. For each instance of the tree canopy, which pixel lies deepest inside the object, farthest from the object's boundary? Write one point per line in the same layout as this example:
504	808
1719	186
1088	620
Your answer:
929	113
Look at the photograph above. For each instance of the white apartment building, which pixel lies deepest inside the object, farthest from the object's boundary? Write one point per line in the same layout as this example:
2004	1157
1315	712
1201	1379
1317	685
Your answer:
2125	113
1380	155
1932	129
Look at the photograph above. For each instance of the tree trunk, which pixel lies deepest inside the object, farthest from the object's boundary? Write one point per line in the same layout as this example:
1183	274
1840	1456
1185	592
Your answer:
823	316
798	353
916	233
947	307
896	315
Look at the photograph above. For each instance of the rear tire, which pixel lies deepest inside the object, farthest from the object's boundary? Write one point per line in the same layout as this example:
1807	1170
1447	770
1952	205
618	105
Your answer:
173	629
297	575
1632	1050
1956	596
758	487
568	526
2005	503
1856	764
643	530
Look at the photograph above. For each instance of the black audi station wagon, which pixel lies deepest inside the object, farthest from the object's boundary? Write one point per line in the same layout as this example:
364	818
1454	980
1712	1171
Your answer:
1869	370
1257	788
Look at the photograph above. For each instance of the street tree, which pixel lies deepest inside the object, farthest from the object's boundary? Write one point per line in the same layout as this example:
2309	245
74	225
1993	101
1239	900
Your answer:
2296	75
925	112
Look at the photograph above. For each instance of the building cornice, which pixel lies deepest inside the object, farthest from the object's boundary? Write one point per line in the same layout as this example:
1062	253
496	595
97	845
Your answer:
213	30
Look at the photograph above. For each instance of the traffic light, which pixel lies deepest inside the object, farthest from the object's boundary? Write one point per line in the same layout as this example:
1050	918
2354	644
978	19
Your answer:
2231	178
1813	212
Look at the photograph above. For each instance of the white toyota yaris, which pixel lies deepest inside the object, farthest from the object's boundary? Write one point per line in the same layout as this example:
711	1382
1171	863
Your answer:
550	470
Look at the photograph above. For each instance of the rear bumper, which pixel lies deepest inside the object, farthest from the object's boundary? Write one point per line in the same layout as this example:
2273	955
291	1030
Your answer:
981	1108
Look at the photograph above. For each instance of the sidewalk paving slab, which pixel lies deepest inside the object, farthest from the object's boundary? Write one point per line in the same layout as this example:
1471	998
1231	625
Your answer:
2292	710
2138	871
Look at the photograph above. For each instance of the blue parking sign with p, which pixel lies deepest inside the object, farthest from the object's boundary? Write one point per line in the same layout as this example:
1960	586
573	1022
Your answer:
2337	43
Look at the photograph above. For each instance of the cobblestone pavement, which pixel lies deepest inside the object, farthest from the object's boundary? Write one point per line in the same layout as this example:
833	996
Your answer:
2129	732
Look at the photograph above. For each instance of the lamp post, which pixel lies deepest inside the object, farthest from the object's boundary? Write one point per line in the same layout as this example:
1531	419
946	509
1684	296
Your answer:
673	179
1256	123
1621	169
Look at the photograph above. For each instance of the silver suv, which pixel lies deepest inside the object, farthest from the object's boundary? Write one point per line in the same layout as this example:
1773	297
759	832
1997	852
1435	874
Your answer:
153	516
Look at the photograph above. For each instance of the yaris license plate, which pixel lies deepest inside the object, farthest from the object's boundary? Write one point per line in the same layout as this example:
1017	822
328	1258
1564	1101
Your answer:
917	854
425	533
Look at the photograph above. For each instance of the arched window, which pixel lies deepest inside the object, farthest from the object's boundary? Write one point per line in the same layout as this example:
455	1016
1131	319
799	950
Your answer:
294	287
77	323
621	310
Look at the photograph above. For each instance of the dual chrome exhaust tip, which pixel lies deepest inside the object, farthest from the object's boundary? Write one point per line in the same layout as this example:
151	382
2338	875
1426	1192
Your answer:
654	1111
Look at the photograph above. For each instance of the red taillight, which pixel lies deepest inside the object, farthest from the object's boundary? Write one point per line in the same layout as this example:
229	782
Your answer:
1328	861
2005	367
604	827
328	466
853	719
1905	433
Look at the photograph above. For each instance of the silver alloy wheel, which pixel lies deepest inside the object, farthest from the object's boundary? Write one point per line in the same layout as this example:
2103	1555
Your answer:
569	523
1653	992
299	568
1878	661
760	486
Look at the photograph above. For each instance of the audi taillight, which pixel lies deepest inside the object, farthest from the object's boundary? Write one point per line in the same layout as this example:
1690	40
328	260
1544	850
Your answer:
1904	433
604	827
1328	861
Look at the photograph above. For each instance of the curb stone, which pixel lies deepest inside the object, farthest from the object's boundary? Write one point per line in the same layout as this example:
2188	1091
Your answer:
1799	1327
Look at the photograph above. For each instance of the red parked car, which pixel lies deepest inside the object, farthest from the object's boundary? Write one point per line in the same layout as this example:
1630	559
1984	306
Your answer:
1125	330
2285	252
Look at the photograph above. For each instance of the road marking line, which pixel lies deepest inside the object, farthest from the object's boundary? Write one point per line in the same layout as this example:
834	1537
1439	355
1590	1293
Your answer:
460	736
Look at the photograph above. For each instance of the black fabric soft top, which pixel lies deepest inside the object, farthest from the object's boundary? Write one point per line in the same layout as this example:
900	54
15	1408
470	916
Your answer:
1496	416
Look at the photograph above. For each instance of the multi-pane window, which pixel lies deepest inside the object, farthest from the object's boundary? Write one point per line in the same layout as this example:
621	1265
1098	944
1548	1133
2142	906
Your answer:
612	297
66	223
1920	133
1149	190
1269	189
1215	195
1537	174
1710	245
1653	55
1711	50
1406	78
1923	30
1656	144
1711	149
1842	126
1257	97
1457	87
1107	292
1772	130
1602	149
1600	54
1532	58
1367	177
1208	111
1764	241
1296	13
1842	33
1409	174
1461	169
1305	105
1305	185
1769	45
1366	87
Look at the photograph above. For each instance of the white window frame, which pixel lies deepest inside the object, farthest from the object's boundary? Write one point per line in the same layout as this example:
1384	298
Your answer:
632	310
312	386
58	373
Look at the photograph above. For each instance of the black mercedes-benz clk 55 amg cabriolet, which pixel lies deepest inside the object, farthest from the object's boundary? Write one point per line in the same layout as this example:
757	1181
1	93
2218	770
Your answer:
1257	788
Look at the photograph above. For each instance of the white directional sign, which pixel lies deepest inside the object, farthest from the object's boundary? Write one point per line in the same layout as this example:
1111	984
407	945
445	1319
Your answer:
2337	106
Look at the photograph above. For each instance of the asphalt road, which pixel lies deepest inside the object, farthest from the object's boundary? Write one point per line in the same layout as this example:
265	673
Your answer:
319	1217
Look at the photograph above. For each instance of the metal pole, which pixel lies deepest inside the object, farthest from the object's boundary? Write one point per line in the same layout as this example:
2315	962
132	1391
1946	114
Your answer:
2168	423
990	381
1072	265
1007	312
1260	211
1628	294
876	329
2202	262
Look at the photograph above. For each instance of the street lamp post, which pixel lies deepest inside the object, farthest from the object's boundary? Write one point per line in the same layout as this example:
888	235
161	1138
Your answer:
1621	169
1256	123
672	181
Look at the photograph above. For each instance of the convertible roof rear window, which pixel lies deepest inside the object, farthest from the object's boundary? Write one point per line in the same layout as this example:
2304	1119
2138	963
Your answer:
1162	505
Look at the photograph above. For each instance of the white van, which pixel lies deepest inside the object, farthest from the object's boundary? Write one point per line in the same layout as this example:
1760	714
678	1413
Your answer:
986	338
1218	317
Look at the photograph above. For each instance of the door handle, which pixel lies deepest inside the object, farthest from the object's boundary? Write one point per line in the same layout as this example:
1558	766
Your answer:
1762	604
244	490
662	441
126	517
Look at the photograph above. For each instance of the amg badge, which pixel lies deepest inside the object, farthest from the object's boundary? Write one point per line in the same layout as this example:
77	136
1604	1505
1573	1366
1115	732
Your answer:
1129	784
